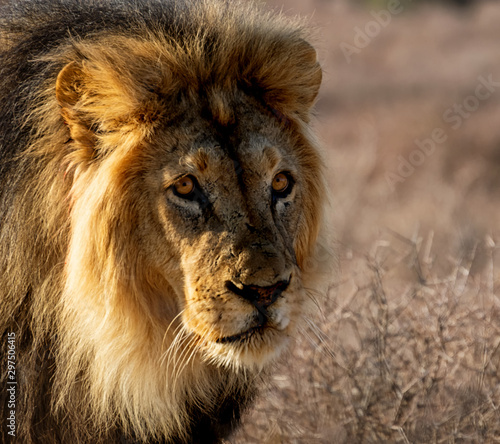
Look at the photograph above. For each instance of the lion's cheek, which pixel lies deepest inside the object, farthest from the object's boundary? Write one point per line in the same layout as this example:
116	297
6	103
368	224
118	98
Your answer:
287	311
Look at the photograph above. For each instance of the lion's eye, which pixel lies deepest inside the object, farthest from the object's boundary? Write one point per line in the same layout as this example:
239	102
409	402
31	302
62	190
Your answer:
280	182
282	185
188	188
184	186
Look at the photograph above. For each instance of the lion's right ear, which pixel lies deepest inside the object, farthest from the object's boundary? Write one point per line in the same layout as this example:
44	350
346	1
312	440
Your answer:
69	94
68	85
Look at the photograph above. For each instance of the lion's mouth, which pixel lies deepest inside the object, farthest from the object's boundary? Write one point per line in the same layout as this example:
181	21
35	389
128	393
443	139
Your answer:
247	334
280	323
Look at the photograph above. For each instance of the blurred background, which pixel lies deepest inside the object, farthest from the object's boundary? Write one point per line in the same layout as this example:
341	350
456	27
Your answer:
405	347
391	79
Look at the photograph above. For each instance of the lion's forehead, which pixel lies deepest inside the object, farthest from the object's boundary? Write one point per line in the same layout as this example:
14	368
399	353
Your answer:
259	158
255	139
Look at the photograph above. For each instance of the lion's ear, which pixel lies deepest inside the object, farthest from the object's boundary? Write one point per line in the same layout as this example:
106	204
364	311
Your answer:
69	92
290	80
106	106
309	67
68	85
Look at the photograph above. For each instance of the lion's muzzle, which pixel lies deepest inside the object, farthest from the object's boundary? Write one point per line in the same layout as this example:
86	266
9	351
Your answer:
260	297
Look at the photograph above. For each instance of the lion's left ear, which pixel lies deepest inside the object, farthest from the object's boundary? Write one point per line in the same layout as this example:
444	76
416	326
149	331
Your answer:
309	75
289	81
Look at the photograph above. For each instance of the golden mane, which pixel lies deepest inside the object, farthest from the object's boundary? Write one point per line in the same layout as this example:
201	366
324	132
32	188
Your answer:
93	95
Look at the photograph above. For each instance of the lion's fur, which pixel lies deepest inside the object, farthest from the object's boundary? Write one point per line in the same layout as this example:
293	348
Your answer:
116	307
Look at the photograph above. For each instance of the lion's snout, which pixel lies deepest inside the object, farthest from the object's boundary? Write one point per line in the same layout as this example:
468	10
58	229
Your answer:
260	297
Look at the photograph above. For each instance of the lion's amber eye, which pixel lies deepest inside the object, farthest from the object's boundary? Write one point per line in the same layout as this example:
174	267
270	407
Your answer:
184	185
280	182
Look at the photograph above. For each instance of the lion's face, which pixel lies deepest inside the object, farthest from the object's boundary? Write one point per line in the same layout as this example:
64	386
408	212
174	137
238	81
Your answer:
210	198
230	202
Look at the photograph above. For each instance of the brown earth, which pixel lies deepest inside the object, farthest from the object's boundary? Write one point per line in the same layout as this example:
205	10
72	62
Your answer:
406	346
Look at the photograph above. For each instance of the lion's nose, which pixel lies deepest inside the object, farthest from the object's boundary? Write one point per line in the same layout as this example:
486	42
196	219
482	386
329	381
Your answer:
260	297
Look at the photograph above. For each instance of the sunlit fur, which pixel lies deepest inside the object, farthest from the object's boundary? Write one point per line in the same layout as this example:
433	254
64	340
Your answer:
115	286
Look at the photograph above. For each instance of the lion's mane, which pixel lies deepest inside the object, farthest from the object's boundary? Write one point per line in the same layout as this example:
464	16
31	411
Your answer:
90	315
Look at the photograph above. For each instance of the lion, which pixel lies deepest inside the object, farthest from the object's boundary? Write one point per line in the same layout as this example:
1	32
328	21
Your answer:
162	201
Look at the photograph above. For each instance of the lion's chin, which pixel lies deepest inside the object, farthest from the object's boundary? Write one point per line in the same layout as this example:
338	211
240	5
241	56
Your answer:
241	337
280	323
252	349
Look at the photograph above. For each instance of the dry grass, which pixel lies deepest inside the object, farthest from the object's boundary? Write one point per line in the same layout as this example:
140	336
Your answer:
401	354
407	345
